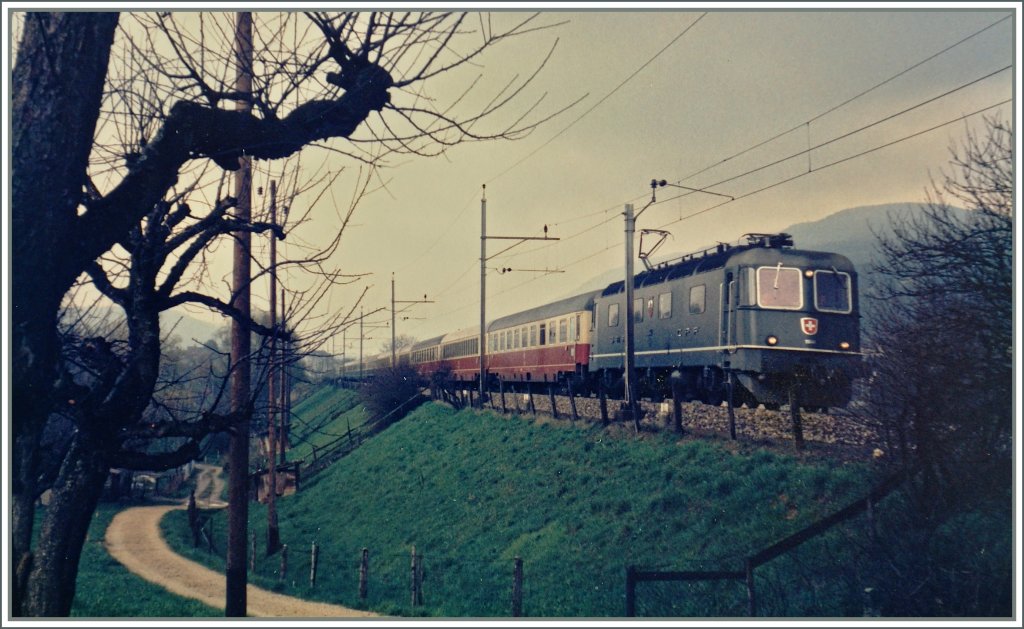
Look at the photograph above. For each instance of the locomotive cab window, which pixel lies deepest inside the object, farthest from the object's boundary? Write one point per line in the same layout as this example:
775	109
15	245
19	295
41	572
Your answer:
638	310
780	287
832	291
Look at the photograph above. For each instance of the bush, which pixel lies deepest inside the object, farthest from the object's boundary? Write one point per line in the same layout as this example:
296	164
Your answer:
391	393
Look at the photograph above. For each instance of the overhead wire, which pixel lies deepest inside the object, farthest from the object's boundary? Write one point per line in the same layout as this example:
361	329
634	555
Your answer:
763	167
529	155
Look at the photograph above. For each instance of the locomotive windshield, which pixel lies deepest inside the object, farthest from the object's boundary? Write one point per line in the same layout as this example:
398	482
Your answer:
779	287
832	291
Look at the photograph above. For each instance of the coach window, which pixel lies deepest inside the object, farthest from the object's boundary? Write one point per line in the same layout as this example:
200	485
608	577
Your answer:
563	331
515	339
697	294
533	335
553	326
613	315
638	309
576	337
543	334
665	306
780	287
525	335
832	291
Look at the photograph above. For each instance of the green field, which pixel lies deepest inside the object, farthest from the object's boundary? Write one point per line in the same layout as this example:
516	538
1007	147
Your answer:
578	504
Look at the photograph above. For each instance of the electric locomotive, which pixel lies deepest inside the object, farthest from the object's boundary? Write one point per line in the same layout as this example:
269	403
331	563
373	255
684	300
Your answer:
775	321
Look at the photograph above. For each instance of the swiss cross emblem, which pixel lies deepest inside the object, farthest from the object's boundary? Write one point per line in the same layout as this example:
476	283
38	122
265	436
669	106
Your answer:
809	325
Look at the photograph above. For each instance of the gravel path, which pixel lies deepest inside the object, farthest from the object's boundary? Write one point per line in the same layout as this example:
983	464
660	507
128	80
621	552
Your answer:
134	539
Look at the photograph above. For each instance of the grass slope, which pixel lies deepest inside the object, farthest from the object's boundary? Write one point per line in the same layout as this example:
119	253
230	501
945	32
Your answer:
473	490
322	418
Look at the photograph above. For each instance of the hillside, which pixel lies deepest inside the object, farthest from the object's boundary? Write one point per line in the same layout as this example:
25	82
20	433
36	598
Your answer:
473	490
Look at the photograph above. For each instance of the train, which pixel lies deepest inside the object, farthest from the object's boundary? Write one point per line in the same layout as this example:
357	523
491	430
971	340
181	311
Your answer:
761	321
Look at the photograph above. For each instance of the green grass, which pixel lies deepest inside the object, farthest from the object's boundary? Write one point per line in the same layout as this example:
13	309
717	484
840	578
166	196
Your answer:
106	589
473	490
322	418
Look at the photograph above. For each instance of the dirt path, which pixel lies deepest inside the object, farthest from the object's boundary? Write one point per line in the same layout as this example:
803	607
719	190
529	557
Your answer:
134	539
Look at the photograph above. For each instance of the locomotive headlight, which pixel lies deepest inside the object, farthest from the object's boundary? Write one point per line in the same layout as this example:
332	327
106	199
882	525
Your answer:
808	273
844	345
772	340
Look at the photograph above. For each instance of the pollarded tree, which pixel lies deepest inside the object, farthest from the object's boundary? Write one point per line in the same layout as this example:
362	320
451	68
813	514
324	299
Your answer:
359	79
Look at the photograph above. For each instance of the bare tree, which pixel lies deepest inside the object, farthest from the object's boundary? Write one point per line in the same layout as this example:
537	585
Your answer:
942	383
354	83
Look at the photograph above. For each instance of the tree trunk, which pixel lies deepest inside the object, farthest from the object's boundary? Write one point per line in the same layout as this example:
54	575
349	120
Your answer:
51	585
59	53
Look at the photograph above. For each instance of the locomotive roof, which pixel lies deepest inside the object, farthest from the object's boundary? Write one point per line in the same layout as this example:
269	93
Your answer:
760	247
540	313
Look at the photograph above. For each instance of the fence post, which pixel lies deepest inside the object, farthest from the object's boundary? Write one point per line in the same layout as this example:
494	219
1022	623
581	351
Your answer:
604	401
870	510
413	585
572	402
551	394
630	591
515	397
794	414
252	553
748	569
472	404
732	409
283	573
517	587
529	393
364	573
677	409
501	389
314	555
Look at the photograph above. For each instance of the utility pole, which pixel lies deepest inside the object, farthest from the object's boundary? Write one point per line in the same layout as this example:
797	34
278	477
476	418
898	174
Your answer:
394	362
286	401
630	373
273	411
483	281
632	386
238	485
360	344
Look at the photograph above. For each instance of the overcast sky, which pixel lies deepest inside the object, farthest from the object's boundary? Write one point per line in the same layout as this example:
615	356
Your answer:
674	95
733	80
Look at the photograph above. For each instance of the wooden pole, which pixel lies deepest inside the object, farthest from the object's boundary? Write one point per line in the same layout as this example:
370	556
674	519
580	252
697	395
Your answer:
748	569
364	573
413	581
273	532
729	403
551	394
252	552
603	401
283	574
517	587
529	396
677	409
630	591
501	389
314	555
572	402
797	420
238	485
